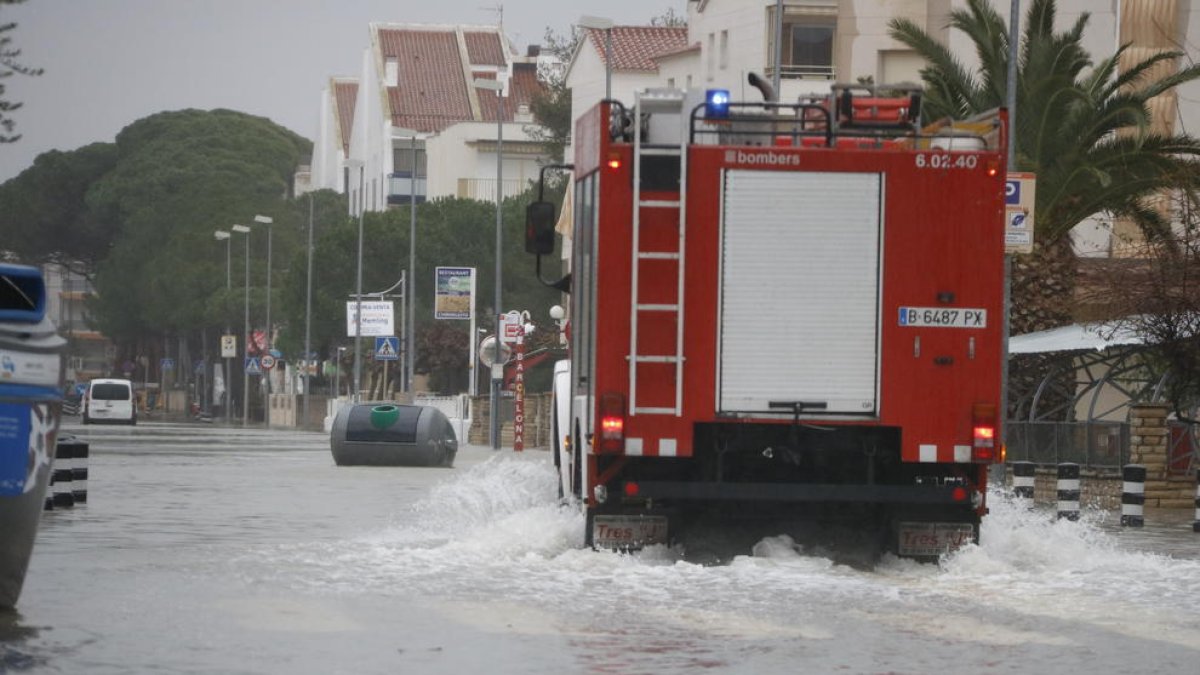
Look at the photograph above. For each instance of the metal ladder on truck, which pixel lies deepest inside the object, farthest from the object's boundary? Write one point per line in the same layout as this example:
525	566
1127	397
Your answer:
663	102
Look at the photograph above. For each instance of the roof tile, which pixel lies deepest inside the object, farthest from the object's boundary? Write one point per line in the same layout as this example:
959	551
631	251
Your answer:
635	47
345	95
431	93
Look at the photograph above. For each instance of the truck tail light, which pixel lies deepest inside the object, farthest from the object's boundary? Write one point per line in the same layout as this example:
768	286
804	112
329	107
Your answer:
612	423
614	161
983	449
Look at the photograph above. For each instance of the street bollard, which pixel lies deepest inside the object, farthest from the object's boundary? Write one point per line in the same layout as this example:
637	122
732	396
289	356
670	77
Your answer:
1023	481
1196	522
1133	495
61	476
77	450
1068	491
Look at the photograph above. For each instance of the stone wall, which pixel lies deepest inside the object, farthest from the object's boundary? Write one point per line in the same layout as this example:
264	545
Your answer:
1149	447
1101	488
537	421
1097	489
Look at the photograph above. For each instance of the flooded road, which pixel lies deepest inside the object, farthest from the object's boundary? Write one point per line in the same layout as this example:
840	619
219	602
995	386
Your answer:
221	550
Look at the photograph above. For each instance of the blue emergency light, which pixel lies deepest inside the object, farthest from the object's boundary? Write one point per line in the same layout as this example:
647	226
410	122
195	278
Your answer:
716	103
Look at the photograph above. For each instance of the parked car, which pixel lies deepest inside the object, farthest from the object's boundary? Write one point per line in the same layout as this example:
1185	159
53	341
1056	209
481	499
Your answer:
109	401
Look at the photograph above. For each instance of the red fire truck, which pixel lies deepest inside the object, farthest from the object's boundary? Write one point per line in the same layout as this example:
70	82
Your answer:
781	310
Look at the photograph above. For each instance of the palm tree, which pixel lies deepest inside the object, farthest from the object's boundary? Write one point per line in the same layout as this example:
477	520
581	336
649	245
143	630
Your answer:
1084	132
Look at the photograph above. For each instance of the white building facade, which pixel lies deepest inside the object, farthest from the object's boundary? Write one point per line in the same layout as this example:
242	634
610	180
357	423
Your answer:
420	128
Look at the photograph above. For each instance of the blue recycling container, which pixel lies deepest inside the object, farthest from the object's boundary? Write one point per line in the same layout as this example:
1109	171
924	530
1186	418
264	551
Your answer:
31	381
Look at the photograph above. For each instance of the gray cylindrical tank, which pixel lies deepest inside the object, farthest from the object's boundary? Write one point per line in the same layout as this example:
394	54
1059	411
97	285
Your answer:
30	404
389	434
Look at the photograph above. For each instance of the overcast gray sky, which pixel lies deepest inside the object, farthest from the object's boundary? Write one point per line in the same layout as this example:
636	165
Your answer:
111	62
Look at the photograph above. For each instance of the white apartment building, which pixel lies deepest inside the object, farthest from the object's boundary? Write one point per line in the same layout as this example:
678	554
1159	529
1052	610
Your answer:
415	126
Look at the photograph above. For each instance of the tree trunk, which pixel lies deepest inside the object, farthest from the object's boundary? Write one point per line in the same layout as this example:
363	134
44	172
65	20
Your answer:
1043	297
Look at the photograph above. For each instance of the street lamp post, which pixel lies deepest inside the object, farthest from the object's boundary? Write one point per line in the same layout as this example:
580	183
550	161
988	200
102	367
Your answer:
266	373
353	163
242	229
410	284
308	310
223	235
606	25
498	366
337	376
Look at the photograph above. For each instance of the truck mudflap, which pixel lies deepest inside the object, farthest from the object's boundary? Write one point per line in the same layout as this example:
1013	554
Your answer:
924	540
626	532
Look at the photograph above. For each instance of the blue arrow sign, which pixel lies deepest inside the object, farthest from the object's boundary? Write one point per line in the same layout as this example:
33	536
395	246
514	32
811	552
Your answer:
387	348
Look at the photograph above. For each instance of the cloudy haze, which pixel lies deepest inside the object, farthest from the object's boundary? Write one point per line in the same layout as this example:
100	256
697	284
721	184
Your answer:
110	62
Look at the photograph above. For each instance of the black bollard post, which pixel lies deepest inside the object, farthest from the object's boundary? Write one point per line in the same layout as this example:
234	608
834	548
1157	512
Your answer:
1196	522
1023	481
61	474
79	468
1068	491
1133	495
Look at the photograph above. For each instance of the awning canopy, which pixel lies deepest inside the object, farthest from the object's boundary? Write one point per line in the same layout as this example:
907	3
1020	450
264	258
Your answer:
1090	337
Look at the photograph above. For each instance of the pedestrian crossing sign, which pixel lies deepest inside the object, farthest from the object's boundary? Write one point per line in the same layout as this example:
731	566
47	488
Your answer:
387	348
253	367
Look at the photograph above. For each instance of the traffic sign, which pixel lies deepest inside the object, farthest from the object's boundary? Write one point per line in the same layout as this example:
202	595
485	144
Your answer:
1019	198
387	348
167	364
228	346
267	361
253	367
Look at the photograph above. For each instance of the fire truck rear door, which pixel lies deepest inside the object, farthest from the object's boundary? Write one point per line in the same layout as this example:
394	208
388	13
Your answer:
800	288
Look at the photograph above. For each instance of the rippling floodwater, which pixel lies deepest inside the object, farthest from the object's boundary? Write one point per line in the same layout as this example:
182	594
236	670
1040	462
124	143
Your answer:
211	550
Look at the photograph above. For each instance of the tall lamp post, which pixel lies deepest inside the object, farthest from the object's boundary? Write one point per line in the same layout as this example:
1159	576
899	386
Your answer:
266	373
361	166
224	235
410	284
242	229
498	366
606	25
308	311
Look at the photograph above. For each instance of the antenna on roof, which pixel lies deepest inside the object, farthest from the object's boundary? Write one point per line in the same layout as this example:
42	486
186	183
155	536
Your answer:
498	8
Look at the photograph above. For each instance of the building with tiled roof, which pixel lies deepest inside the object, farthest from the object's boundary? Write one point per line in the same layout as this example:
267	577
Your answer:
416	108
332	145
635	65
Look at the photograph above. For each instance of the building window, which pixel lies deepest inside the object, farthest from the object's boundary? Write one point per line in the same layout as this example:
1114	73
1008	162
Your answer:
809	35
724	49
402	160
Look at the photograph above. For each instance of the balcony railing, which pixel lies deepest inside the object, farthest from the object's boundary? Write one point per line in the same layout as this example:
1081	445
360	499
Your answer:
484	189
400	187
794	72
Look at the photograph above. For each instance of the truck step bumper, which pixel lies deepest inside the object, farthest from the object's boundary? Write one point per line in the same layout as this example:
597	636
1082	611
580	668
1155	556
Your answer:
805	492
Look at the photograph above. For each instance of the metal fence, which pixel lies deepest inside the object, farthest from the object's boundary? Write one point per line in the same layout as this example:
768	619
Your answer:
1183	452
1090	444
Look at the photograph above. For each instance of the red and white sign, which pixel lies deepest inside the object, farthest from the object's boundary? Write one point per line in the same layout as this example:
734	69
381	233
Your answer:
519	390
511	325
268	362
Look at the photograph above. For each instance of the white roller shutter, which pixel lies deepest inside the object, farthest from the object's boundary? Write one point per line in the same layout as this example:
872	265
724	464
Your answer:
799	290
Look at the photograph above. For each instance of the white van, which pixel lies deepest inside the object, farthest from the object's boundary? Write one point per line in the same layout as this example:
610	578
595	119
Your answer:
109	401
